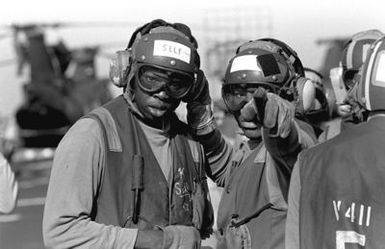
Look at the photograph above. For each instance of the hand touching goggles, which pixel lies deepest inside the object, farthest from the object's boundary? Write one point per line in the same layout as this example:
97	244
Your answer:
175	84
236	96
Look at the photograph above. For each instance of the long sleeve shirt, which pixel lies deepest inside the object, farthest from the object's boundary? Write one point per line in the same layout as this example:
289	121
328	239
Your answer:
8	187
76	171
220	153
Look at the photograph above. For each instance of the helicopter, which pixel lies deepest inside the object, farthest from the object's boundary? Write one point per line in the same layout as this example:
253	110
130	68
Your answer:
62	86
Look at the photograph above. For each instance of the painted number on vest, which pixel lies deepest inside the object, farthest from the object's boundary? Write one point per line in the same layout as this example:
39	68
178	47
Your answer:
343	237
356	213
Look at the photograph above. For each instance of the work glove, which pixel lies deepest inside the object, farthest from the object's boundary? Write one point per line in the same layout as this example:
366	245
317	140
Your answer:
199	114
270	111
181	237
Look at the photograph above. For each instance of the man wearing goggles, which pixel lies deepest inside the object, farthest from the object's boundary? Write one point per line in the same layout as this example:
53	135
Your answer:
129	175
255	173
153	80
237	95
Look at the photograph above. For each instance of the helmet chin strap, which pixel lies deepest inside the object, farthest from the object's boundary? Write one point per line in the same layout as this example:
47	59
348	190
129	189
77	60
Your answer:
129	97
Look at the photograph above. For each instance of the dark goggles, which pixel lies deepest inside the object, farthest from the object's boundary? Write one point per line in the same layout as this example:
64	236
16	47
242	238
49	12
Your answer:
236	96
175	84
350	78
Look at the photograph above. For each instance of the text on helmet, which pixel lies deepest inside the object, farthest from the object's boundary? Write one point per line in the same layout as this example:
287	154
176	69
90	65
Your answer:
172	49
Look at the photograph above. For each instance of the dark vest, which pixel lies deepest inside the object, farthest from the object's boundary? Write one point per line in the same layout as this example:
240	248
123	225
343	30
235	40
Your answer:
160	204
342	202
246	200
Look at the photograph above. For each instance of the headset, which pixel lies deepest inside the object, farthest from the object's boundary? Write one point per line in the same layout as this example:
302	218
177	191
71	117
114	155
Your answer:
122	65
293	85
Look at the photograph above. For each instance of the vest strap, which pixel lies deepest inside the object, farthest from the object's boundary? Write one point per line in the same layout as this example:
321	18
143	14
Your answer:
108	124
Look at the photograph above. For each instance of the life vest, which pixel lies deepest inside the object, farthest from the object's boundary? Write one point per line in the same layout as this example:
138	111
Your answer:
252	211
342	203
158	203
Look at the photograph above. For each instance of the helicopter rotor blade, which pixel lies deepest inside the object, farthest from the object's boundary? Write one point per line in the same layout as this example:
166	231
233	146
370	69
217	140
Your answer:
4	36
7	62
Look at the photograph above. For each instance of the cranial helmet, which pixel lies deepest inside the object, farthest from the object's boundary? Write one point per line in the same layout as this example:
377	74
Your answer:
157	44
370	90
269	63
355	52
289	53
261	62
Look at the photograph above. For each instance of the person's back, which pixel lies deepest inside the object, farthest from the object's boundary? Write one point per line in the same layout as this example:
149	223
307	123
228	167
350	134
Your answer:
349	174
338	197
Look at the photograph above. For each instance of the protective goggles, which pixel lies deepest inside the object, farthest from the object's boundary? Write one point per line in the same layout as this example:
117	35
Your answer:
154	79
236	96
350	78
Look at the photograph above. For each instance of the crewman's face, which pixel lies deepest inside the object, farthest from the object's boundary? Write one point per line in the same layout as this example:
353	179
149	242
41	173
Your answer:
157	104
249	129
245	93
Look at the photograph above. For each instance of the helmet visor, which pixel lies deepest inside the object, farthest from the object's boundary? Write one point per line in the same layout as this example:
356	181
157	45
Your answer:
154	79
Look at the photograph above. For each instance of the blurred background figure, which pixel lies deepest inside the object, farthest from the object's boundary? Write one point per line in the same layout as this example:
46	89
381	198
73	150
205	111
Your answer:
344	112
62	87
8	186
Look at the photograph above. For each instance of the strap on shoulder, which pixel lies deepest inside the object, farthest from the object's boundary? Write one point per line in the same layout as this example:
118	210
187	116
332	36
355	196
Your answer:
108	126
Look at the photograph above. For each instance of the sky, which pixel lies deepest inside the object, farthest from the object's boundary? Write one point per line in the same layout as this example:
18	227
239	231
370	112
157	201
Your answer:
299	23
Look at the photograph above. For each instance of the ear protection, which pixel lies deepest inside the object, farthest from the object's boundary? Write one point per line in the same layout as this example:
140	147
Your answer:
297	88
122	63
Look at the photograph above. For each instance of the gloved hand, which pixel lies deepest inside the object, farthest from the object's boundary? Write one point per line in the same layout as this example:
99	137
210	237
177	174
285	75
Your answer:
181	237
199	114
199	91
270	111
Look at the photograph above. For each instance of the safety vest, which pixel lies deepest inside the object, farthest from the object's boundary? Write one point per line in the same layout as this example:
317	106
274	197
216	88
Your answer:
252	210
342	203
158	202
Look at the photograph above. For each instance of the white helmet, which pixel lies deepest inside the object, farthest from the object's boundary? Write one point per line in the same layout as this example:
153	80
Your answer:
370	90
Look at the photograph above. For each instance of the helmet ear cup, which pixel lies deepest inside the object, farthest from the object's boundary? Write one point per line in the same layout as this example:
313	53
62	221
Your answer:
302	91
120	67
307	94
